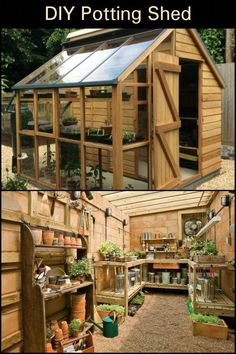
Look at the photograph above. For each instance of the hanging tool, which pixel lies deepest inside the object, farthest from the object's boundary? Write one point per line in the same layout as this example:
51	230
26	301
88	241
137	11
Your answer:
44	208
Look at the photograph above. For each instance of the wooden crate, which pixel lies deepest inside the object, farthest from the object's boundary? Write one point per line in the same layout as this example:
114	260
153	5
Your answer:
209	259
210	330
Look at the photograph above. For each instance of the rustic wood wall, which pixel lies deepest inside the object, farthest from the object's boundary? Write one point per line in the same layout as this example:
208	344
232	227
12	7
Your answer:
16	205
220	233
210	103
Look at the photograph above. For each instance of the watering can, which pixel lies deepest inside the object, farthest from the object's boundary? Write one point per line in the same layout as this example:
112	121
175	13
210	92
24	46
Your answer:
110	326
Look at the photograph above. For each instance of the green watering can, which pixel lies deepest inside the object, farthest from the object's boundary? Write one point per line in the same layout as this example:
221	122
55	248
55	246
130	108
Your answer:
110	326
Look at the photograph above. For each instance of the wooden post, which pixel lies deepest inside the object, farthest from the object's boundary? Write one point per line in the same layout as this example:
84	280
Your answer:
100	167
82	139
199	121
194	288
36	143
17	129
149	111
55	100
117	142
126	292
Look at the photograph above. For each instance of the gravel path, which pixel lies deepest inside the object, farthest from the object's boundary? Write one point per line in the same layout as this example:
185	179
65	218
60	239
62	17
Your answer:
161	325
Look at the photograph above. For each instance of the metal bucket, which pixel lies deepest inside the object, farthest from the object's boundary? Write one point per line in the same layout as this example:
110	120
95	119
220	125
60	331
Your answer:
157	279
166	277
174	280
151	277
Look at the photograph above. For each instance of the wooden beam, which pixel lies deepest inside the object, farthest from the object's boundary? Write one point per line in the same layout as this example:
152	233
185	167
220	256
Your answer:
12	339
82	139
117	138
167	127
18	128
168	154
168	67
149	112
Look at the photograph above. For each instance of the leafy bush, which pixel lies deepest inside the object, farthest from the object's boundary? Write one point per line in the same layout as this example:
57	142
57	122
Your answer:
198	317
117	308
109	248
14	183
138	299
80	268
74	326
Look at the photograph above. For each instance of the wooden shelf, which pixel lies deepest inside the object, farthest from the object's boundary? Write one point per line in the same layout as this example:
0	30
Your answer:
168	260
220	306
121	264
160	239
207	265
110	293
166	286
66	290
161	252
56	246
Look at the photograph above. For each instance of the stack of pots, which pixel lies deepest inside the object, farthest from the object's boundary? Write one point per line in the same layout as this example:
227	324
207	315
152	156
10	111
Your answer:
49	349
78	306
67	240
58	338
60	240
65	329
37	236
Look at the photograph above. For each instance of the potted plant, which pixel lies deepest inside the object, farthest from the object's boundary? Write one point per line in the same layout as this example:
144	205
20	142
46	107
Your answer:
94	174
104	310
80	270
109	250
209	326
107	128
141	254
74	327
130	256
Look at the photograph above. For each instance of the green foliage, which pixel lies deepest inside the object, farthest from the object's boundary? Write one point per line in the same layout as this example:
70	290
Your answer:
198	247
80	268
14	183
117	308
214	39
109	248
138	299
4	85
54	41
141	254
131	253
198	317
94	173
74	326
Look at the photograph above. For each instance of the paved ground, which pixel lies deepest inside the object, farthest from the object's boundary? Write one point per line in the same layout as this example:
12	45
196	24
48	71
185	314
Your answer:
224	181
162	325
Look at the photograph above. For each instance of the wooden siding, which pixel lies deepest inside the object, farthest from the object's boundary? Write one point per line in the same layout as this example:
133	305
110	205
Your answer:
211	112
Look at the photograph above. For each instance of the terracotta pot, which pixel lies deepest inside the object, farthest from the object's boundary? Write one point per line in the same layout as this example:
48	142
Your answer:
78	298
37	236
61	240
72	241
79	315
65	329
81	231
49	349
48	237
54	325
67	240
79	307
58	334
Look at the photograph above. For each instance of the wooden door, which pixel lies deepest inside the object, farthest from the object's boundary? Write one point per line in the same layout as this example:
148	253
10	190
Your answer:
166	120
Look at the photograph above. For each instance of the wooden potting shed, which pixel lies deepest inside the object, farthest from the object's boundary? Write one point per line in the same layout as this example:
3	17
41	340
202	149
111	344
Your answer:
121	109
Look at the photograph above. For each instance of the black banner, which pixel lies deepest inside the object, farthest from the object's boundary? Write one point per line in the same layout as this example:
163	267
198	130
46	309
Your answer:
117	13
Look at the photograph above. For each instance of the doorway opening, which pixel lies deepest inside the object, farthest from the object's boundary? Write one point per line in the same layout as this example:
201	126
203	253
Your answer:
189	116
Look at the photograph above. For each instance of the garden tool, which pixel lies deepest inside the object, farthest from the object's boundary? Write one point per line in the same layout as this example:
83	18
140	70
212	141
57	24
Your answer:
110	325
45	209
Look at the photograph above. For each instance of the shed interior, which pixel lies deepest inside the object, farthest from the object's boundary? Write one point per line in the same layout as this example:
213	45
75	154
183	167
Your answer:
157	227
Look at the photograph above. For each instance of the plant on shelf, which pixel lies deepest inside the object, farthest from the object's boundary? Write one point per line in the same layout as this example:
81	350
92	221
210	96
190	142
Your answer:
80	269
141	254
74	327
199	248
128	137
131	253
138	299
14	183
209	326
109	250
116	308
130	256
95	174
49	161
70	120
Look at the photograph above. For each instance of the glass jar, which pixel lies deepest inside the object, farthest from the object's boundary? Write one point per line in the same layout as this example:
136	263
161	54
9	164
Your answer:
151	277
132	278
119	283
137	275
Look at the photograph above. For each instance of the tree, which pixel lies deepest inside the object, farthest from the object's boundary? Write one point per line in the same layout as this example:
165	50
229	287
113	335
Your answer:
214	39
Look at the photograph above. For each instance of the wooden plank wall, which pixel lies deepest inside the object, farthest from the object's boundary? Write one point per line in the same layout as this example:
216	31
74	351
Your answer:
16	205
210	102
219	234
228	103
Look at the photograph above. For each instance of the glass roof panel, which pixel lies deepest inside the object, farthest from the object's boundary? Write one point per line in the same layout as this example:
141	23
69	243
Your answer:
87	66
119	61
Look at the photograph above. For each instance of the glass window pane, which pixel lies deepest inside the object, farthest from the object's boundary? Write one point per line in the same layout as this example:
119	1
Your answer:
87	66
69	64
27	161
135	167
119	61
45	112
70	172
99	173
69	113
98	104
47	160
26	110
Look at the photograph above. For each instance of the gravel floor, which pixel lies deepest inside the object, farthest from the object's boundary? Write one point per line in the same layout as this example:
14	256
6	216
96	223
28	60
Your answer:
161	325
224	181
